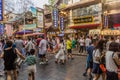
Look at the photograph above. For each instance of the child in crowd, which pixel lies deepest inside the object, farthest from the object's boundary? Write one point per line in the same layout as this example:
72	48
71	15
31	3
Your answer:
31	62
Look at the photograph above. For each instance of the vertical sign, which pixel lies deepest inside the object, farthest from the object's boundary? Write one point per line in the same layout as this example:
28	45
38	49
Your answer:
40	19
55	17
33	10
1	29
8	28
1	10
105	21
61	23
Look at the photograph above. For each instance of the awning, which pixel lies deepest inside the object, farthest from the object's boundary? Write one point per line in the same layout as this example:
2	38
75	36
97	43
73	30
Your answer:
24	32
34	34
85	26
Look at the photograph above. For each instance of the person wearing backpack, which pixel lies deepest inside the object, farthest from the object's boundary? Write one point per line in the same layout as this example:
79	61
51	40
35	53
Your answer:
30	45
113	61
9	56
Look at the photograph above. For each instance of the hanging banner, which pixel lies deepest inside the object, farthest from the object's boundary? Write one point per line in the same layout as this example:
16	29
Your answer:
1	10
40	19
105	23
8	29
61	23
55	17
1	29
34	11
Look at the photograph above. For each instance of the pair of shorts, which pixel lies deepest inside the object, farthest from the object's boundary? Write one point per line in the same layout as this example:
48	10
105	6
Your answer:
96	69
31	68
111	75
69	51
42	55
89	64
10	67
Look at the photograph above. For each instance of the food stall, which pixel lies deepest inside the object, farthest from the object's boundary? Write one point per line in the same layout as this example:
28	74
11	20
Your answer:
94	32
108	32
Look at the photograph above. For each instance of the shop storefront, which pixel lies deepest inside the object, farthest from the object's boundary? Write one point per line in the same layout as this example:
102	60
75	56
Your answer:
86	17
113	12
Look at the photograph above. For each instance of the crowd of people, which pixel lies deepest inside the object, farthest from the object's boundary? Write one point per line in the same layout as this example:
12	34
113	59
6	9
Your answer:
103	51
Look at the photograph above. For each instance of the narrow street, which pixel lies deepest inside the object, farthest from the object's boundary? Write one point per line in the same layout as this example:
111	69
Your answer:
72	70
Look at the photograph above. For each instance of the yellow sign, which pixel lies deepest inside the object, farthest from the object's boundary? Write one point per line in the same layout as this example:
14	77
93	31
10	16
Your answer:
81	20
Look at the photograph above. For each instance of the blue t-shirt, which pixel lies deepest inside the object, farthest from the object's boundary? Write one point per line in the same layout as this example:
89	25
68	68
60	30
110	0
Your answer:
13	46
90	52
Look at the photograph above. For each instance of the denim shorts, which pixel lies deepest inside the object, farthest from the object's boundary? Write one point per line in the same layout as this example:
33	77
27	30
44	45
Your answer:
96	69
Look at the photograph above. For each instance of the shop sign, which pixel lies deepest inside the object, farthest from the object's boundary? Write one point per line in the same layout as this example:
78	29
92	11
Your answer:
33	10
55	17
61	23
8	29
97	18
105	23
1	10
40	19
37	30
1	29
112	0
29	26
81	20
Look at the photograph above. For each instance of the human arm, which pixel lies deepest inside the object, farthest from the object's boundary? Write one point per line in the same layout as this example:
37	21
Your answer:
116	58
19	54
2	55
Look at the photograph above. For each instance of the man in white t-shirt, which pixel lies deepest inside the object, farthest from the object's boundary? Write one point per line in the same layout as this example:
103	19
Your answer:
42	50
87	42
82	42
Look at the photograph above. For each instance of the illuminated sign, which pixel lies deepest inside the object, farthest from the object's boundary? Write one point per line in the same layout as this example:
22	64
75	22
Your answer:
61	23
1	29
1	10
55	17
81	20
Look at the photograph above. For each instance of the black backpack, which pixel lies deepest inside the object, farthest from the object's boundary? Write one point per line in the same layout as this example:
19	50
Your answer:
9	56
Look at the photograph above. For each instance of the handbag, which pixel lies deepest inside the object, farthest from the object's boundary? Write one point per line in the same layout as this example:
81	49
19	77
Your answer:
102	67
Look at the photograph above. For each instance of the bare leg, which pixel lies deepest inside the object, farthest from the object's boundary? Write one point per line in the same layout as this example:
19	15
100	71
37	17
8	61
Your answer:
103	76
33	76
9	77
29	76
15	74
96	76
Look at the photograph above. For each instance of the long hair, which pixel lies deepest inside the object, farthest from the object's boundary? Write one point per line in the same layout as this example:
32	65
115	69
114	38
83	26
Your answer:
100	45
114	46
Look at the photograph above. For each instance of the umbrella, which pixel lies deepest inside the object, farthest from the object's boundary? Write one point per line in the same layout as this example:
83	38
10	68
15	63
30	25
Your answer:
24	31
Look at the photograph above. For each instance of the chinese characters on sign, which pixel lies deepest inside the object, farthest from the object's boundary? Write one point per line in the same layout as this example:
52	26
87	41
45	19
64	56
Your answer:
1	10
1	29
55	17
40	19
61	23
105	21
81	20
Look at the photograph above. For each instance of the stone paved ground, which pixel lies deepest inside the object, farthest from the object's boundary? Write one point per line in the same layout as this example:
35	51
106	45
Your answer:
72	70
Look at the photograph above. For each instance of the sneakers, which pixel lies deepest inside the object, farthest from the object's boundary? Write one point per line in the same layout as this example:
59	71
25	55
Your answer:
85	74
1	73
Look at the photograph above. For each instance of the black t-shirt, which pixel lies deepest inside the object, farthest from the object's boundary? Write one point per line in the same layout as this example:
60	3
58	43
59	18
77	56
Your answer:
9	57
